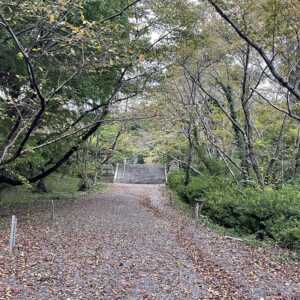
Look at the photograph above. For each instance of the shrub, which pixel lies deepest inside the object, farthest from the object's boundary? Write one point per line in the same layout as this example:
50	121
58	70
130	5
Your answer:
175	178
290	237
202	186
175	181
274	212
217	167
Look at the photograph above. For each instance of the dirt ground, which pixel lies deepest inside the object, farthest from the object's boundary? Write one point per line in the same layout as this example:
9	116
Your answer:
130	243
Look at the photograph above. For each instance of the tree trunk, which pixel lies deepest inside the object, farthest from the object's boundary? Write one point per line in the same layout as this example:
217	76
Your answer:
269	172
41	186
189	158
239	138
97	157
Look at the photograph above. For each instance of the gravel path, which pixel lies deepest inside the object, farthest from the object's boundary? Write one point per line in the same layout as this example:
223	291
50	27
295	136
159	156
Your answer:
129	243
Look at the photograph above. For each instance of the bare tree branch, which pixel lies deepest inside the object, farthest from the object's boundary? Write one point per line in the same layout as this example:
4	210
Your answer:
34	85
259	50
289	113
120	13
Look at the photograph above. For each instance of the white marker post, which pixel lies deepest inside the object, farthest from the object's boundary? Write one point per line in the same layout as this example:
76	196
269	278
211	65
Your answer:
13	233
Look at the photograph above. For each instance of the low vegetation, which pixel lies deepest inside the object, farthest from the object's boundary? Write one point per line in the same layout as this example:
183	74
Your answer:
272	213
59	188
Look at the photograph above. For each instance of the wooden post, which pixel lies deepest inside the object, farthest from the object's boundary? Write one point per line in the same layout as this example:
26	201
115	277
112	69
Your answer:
13	233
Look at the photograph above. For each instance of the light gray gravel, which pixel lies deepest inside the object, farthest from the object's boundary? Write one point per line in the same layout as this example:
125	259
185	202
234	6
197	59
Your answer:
129	243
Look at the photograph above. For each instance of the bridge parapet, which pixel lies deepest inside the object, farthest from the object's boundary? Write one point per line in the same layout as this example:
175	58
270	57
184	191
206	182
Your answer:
140	174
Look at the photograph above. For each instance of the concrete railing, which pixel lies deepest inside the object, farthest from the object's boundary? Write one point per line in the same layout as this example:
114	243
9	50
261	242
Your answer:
140	174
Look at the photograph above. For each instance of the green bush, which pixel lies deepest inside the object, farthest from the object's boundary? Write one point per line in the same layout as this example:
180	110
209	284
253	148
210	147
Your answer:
202	186
290	237
175	178
216	167
274	212
175	181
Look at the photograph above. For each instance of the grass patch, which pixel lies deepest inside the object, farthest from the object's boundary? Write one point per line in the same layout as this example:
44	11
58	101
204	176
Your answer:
62	184
59	188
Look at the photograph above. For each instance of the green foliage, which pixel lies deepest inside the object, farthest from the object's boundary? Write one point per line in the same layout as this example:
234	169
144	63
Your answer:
199	186
202	186
175	182
77	74
215	167
290	236
175	178
276	213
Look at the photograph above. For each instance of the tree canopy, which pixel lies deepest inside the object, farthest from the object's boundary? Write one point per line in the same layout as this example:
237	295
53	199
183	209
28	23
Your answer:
209	86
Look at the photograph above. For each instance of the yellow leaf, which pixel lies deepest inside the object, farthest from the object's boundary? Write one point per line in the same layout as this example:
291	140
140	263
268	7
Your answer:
51	18
75	29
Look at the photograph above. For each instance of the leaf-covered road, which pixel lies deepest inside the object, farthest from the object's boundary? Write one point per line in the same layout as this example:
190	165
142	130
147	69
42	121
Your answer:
129	243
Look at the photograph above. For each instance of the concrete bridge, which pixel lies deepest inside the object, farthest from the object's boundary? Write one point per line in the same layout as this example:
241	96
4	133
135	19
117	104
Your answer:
140	174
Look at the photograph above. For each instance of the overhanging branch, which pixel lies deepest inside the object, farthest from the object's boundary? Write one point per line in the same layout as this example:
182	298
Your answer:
259	50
